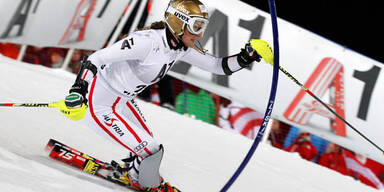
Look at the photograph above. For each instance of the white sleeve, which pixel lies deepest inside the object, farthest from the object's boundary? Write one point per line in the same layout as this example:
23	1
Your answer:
220	66
134	47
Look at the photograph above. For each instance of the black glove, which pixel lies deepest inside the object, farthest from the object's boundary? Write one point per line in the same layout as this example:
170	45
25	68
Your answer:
247	55
77	94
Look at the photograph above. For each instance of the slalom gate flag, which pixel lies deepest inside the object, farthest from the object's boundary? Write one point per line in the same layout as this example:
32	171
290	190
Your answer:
247	121
355	165
240	119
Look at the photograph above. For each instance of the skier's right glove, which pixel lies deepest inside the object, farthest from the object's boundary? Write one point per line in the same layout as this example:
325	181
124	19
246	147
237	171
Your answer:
74	106
72	113
77	94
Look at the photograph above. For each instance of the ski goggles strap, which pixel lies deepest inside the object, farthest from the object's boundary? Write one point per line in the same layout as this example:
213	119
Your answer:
196	25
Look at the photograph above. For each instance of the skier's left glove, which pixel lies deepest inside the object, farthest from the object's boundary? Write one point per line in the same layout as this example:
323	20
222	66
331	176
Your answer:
263	49
247	55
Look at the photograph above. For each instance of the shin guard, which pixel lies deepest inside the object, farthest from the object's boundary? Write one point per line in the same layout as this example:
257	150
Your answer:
149	175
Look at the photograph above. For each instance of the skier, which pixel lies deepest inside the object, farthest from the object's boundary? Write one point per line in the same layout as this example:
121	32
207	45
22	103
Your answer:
118	73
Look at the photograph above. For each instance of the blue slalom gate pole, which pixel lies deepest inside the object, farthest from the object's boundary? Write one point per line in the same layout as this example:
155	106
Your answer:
271	101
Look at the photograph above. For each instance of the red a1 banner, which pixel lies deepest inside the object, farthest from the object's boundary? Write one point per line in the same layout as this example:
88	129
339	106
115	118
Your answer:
328	76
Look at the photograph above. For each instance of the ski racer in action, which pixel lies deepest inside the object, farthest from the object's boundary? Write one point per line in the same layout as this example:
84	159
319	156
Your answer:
112	77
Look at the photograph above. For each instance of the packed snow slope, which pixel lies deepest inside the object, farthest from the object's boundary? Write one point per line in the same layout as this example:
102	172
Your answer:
198	157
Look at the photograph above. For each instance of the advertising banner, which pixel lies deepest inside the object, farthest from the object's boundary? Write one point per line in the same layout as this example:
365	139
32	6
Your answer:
84	24
350	83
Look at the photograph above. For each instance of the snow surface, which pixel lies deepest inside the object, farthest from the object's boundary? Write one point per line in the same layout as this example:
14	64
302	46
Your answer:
198	156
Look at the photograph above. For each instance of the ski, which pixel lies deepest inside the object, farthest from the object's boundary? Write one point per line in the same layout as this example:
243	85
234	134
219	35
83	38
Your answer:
79	160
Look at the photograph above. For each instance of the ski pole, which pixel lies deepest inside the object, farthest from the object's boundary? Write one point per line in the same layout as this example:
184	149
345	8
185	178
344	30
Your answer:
52	105
326	106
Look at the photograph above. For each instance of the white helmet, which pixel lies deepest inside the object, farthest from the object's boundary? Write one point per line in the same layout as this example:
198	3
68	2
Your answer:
190	13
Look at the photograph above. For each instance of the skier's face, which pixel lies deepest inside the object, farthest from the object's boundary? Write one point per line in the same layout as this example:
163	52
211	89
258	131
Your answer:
190	39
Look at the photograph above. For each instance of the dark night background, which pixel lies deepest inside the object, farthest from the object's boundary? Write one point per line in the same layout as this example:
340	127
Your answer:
356	25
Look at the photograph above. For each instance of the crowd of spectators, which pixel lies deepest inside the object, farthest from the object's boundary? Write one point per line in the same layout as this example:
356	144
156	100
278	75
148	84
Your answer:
46	56
327	154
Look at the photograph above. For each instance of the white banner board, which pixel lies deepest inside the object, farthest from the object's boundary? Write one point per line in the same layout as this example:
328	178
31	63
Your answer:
84	24
350	83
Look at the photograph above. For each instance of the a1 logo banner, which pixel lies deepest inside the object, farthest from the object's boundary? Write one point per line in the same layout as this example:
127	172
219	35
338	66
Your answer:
76	28
72	25
329	75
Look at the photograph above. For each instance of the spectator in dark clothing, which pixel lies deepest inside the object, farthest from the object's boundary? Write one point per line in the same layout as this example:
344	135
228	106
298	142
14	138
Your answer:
74	64
278	134
31	55
56	56
37	55
47	56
